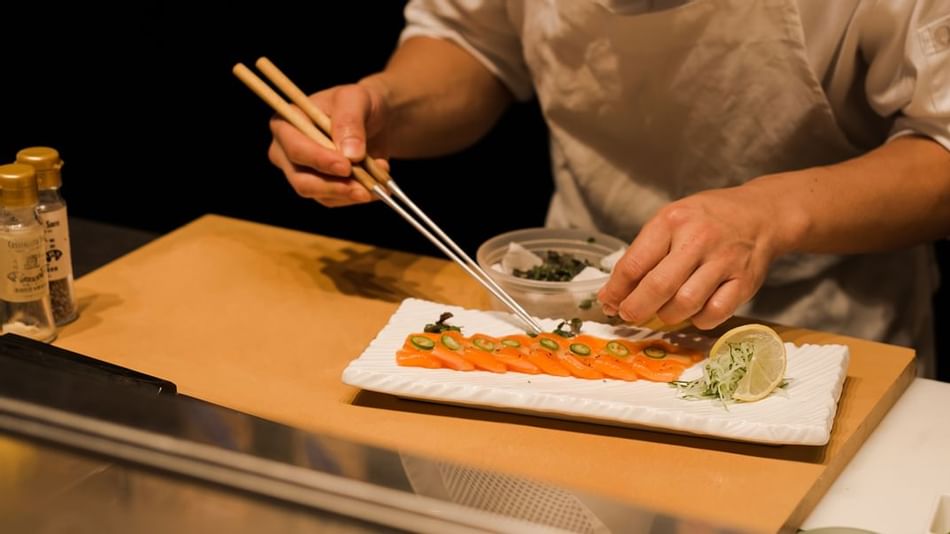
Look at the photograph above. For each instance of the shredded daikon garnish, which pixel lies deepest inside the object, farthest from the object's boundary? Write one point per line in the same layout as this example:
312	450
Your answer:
721	374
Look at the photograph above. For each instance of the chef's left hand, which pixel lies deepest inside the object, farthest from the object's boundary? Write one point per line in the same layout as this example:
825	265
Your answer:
698	259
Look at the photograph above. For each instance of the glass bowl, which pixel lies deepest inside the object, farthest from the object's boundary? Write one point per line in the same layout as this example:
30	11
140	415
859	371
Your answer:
555	300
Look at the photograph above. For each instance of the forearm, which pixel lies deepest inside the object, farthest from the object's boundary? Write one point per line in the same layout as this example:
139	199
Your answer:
894	196
437	97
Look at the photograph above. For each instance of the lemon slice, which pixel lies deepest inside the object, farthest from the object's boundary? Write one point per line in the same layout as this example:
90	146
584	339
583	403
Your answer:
766	368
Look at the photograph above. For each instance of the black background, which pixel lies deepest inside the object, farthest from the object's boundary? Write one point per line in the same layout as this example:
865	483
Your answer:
155	130
143	106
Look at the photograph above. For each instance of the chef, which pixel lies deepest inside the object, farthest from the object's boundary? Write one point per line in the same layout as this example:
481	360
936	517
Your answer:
787	160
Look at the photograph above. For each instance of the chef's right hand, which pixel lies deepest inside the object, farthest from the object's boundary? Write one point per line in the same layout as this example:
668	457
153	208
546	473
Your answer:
315	172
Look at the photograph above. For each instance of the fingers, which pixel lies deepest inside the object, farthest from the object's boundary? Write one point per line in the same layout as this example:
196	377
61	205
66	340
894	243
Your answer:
692	296
646	251
721	305
707	297
331	191
660	284
682	287
300	150
351	108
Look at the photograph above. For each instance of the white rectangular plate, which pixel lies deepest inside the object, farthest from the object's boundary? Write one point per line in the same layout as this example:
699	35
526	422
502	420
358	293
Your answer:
802	413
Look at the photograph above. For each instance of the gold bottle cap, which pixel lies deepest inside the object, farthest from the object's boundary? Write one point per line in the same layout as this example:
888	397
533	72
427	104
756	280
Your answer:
17	185
47	163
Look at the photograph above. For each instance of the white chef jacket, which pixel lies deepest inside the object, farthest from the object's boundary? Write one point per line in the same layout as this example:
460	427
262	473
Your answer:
884	71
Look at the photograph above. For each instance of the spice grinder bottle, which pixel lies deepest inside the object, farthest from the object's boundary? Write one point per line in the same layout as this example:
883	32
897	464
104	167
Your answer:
52	211
24	289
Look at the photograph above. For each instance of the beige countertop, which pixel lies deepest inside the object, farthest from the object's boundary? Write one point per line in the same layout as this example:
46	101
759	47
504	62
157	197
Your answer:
264	320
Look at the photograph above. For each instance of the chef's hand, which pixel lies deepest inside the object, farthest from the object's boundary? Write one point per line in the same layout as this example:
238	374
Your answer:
358	115
697	259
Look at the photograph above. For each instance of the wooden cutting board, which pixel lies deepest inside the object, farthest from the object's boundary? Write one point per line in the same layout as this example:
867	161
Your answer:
264	320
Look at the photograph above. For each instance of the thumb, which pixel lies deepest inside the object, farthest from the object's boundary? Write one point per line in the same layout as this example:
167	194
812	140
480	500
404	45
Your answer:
350	109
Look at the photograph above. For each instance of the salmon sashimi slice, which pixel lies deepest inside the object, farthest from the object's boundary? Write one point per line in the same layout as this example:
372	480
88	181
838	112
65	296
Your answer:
431	344
476	350
576	354
548	342
483	342
452	360
659	349
448	348
612	367
577	368
657	370
596	344
519	342
412	358
547	363
515	361
652	348
560	351
483	360
424	341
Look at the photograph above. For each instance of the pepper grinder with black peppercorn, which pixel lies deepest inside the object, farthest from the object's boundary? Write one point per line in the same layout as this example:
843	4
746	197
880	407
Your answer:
24	289
52	212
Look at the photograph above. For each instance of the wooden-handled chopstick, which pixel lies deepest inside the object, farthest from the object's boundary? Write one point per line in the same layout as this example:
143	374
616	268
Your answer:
368	173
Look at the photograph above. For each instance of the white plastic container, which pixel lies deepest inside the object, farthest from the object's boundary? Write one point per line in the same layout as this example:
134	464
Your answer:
556	300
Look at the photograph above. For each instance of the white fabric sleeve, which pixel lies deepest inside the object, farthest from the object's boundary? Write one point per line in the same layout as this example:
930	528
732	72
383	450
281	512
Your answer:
906	44
481	27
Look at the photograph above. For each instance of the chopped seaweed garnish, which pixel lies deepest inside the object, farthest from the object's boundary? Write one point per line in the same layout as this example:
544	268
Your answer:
440	326
573	328
556	267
